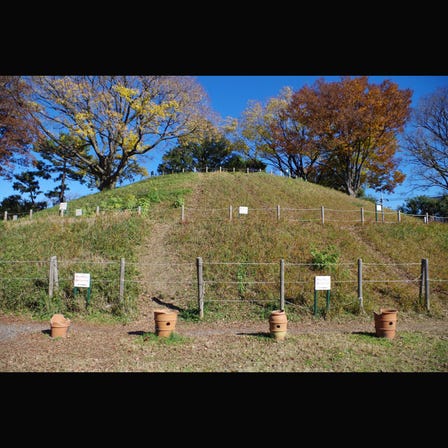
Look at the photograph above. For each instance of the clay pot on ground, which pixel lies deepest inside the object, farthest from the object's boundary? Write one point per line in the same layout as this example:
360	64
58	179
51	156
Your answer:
278	324
386	323
165	321
59	326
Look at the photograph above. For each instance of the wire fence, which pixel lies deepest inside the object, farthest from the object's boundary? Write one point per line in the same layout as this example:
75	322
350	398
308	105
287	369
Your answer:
321	214
46	284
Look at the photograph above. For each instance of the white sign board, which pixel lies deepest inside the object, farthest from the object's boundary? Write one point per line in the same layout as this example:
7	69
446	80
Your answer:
243	210
378	207
15	217
63	206
82	280
322	283
78	212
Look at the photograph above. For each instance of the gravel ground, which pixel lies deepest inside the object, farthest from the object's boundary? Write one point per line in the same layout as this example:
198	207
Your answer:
11	330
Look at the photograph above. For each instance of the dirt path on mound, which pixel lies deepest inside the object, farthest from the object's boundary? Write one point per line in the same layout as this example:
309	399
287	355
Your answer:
166	279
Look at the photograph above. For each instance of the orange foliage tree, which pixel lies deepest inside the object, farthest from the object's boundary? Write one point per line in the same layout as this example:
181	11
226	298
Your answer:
355	125
17	130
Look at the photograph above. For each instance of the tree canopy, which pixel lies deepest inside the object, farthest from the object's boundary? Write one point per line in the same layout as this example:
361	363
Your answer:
211	153
17	130
113	120
427	142
340	134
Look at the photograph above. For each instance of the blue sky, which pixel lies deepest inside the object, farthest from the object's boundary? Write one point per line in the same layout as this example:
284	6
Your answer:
229	96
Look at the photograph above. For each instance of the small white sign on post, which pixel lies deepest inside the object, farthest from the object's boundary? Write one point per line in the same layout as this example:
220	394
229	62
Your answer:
81	280
322	283
78	212
379	207
63	206
243	210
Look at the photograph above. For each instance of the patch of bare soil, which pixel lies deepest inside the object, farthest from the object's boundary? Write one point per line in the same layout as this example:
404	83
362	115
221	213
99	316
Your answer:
26	345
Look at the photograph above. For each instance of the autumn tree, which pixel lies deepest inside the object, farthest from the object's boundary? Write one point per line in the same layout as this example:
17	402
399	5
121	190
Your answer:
356	124
117	119
17	130
270	132
427	142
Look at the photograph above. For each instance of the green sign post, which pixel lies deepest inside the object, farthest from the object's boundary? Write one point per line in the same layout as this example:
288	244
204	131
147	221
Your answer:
82	280
322	283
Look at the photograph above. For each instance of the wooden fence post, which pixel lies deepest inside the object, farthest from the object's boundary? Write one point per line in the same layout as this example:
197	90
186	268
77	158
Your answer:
182	213
282	284
97	211
199	266
361	301
398	216
230	212
362	215
278	212
5	216
122	269
55	273
427	284
51	277
422	279
31	213
322	214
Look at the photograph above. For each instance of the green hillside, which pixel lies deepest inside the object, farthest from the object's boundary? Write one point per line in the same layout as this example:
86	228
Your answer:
314	230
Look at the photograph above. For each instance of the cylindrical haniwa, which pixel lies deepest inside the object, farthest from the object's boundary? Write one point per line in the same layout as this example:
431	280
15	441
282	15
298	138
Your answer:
386	323
278	324
165	322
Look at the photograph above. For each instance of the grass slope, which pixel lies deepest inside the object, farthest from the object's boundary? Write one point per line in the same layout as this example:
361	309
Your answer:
250	245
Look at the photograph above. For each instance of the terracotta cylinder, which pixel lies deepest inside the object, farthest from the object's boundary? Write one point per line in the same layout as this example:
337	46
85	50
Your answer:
278	323
165	322
59	326
386	323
